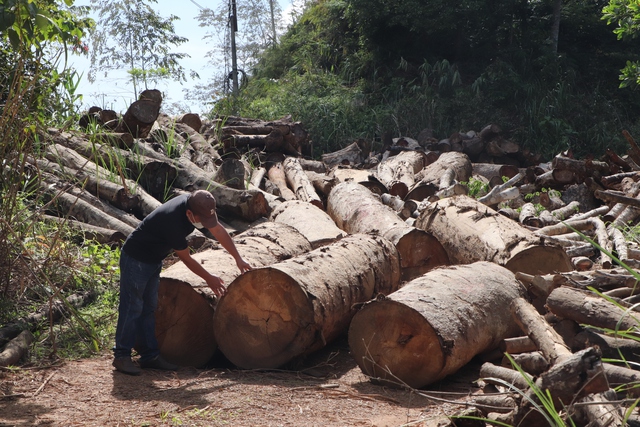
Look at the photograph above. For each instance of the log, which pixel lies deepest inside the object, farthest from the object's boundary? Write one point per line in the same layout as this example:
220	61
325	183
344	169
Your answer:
599	412
356	210
277	176
353	155
68	205
532	363
16	349
435	324
184	317
192	120
490	372
313	223
430	176
612	347
586	308
140	116
572	378
397	173
364	177
471	231
270	143
322	182
300	183
547	340
89	232
232	173
272	315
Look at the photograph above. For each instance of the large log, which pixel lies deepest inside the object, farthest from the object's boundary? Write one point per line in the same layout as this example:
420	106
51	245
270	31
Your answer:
140	116
312	222
184	318
356	210
435	324
471	231
272	315
352	155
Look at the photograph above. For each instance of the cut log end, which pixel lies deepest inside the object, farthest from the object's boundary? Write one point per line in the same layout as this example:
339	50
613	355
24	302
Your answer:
393	344
177	300
264	303
419	253
539	260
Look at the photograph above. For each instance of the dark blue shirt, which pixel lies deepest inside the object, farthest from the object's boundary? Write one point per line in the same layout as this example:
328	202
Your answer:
162	231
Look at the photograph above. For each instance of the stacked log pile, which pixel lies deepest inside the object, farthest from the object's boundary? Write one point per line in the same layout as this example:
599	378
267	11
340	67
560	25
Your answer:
432	238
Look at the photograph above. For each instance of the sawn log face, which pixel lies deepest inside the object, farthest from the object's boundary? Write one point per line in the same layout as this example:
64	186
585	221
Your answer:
274	314
435	324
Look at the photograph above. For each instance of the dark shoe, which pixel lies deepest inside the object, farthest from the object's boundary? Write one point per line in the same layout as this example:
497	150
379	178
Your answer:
158	363
126	366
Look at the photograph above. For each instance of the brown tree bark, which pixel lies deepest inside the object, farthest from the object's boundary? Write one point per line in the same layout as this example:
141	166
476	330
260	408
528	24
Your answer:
277	176
356	210
184	318
470	231
312	222
140	116
353	155
274	314
435	324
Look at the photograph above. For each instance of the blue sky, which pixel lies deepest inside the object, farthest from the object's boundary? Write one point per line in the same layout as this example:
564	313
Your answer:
115	92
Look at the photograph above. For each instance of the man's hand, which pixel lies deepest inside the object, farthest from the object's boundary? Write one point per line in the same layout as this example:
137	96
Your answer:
217	286
243	266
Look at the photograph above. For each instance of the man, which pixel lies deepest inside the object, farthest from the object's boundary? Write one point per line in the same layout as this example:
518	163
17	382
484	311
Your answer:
162	231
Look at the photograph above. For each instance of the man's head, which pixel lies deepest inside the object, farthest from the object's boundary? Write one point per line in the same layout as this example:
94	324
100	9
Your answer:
201	209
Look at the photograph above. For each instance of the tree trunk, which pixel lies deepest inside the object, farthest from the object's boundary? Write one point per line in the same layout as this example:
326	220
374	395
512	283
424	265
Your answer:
232	173
184	317
313	223
190	119
300	183
471	231
90	232
356	210
435	324
364	177
274	314
352	155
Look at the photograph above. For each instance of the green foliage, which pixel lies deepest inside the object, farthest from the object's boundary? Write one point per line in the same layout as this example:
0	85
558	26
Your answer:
131	35
356	69
626	15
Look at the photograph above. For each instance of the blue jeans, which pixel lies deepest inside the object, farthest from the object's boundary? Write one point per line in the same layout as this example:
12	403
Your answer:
139	283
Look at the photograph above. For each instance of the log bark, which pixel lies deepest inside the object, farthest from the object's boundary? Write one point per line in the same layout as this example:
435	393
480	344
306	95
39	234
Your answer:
353	155
364	177
548	341
90	232
184	317
275	314
429	177
356	210
587	308
300	183
140	116
435	324
313	223
490	372
397	173
232	173
470	231
16	349
192	120
277	176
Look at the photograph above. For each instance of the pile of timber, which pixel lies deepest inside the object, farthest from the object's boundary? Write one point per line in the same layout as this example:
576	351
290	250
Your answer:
413	251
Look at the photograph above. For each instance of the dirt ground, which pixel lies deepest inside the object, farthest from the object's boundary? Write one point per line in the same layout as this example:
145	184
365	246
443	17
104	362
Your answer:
327	390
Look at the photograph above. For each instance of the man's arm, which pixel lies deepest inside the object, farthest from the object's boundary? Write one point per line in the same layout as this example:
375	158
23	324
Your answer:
221	235
214	282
